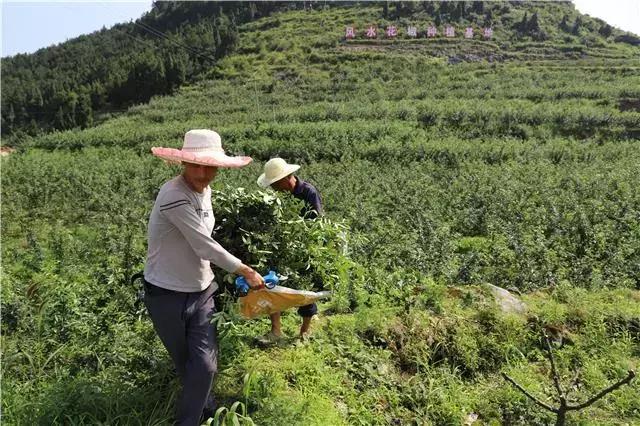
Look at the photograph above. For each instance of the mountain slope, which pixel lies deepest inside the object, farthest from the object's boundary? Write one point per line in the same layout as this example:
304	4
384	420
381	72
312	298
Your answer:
68	85
77	82
449	164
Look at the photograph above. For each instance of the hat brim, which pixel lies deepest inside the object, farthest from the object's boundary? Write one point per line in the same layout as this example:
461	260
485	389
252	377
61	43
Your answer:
264	182
216	159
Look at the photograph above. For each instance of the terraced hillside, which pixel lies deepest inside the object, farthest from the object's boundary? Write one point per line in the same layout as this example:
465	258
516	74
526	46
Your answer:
451	163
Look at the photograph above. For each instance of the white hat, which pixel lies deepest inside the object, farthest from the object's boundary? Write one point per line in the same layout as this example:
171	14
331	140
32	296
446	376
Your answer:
202	147
274	170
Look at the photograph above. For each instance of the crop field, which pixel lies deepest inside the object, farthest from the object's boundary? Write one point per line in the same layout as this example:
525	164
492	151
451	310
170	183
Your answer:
437	178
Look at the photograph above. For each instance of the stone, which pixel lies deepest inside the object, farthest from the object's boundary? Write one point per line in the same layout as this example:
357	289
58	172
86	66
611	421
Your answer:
507	301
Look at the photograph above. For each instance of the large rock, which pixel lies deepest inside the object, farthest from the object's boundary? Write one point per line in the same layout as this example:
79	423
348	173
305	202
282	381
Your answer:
507	301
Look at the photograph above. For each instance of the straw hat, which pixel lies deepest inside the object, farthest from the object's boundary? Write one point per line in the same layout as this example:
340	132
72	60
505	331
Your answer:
274	170
201	146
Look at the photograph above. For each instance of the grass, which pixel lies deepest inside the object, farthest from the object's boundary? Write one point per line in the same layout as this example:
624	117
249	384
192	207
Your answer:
521	172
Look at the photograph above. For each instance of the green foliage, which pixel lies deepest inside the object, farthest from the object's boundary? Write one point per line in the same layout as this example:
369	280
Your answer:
64	86
176	43
234	415
517	168
268	233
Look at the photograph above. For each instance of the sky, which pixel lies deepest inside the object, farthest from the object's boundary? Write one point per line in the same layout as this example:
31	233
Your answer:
30	25
623	14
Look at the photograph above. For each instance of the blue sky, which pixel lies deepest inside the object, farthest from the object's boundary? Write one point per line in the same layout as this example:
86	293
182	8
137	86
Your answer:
30	25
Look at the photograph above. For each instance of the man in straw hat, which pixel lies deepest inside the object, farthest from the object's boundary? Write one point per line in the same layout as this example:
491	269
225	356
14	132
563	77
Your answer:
179	282
279	175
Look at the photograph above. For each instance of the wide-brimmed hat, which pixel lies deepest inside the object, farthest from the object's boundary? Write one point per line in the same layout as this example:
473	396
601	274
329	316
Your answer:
201	146
274	170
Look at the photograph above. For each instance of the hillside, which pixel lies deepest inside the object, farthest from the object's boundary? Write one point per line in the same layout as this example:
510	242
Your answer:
444	165
86	80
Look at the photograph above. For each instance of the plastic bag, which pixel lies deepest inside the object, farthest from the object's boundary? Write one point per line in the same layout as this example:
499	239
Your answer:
269	301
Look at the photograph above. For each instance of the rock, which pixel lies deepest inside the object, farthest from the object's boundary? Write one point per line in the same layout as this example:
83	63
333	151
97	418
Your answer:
506	301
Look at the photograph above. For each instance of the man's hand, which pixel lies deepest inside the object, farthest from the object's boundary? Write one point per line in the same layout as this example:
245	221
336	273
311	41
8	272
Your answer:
253	278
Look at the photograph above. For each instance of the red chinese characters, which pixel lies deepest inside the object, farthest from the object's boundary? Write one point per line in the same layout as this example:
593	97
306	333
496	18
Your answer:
449	31
350	33
468	32
392	31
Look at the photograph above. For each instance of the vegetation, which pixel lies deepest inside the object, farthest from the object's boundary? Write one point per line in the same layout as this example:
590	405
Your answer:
74	83
443	164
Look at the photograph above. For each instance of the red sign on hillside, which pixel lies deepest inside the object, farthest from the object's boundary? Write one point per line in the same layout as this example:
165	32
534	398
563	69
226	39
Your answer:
449	31
350	32
468	32
392	31
371	32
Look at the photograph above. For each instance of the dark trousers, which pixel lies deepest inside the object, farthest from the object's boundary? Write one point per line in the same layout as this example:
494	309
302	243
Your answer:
183	323
308	310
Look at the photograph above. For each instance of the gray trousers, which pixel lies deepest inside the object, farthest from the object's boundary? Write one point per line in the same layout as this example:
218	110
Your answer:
183	323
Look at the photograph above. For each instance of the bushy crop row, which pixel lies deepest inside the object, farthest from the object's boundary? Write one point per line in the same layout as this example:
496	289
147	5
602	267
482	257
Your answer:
436	179
535	214
350	130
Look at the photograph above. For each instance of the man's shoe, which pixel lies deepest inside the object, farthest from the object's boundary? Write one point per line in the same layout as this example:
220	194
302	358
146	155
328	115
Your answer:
270	339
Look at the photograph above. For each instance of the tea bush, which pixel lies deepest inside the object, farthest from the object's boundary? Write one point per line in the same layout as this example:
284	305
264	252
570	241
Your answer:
519	170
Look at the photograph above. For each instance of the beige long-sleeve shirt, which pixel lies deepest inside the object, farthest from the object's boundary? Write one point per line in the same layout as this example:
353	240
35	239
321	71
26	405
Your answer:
180	243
